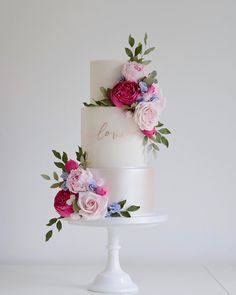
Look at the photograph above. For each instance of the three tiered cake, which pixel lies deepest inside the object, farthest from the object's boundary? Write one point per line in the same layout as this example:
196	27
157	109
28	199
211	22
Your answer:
119	127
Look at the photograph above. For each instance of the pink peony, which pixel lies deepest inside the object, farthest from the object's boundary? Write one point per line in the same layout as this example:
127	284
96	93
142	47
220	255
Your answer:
124	93
71	165
133	71
100	191
92	205
149	133
78	180
60	203
146	115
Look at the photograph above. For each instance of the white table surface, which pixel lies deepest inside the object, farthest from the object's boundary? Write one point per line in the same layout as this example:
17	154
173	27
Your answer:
152	279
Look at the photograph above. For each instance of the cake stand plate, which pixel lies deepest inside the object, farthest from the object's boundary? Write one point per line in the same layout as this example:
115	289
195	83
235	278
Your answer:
113	279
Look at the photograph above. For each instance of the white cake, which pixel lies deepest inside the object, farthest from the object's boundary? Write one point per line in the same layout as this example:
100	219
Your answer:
114	145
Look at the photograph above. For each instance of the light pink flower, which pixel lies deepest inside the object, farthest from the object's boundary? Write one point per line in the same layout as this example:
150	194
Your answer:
92	205
146	115
133	71
78	180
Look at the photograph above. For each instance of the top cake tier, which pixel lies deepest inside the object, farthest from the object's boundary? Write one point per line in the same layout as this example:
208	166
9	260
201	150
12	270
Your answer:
104	73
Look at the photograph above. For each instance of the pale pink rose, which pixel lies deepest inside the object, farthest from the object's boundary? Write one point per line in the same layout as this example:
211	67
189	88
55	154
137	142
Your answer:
133	71
92	205
78	180
146	115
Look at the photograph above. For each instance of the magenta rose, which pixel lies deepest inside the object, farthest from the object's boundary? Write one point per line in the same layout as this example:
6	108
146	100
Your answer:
149	133
60	203
100	191
71	165
124	93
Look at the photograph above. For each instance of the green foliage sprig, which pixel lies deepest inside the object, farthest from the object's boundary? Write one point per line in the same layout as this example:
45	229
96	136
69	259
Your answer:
82	157
125	213
138	53
152	143
104	102
53	221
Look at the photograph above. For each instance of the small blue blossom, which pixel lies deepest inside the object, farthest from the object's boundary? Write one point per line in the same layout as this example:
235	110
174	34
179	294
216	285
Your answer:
113	208
92	185
64	175
63	186
154	97
143	86
139	99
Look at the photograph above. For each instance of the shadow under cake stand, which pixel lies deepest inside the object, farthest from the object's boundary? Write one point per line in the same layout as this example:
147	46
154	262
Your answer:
113	279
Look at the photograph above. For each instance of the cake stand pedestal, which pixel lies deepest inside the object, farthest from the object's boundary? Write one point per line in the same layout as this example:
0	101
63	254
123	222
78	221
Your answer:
113	279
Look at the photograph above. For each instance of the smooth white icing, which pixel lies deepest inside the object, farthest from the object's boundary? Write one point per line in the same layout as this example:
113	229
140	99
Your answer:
111	139
103	73
135	185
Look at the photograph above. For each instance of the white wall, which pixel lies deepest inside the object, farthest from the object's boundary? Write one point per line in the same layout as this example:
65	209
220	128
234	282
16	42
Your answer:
45	48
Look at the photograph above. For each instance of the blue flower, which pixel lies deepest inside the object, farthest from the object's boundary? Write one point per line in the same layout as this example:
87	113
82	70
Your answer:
139	99
143	86
113	208
154	97
64	175
92	185
63	186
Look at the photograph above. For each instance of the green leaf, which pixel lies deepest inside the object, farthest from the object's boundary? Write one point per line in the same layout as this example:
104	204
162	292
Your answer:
64	157
45	176
89	104
155	147
131	41
159	124
158	137
56	184
75	206
51	221
147	51
125	214
145	140
56	154
80	152
59	225
165	141
138	49
59	165
164	131
133	208
55	176
122	203
104	92
116	214
129	52
145	39
146	62
153	74
48	235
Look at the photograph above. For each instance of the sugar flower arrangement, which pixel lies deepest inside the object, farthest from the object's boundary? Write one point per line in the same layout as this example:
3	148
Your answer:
138	95
80	195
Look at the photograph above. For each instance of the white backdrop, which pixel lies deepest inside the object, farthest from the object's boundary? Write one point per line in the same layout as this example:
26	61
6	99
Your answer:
45	49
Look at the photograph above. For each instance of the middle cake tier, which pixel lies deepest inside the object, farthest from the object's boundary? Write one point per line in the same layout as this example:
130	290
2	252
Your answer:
111	138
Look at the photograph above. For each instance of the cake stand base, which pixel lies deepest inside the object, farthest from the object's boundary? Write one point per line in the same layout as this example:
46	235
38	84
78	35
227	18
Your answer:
113	279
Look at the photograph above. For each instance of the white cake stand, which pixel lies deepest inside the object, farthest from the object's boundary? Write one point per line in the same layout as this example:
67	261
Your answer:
113	279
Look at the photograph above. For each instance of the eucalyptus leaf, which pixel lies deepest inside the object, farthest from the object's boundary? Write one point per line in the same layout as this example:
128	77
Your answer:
122	203
159	124
45	176
129	52
131	41
59	165
116	214
125	214
133	208
52	221
145	38
56	154
164	131
138	49
64	157
59	225
56	184
55	176
158	137
48	235
165	141
147	51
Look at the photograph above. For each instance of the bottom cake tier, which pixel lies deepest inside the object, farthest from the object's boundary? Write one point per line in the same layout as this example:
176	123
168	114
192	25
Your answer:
135	185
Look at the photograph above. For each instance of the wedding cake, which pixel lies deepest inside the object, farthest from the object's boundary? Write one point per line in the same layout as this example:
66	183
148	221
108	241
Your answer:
119	126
